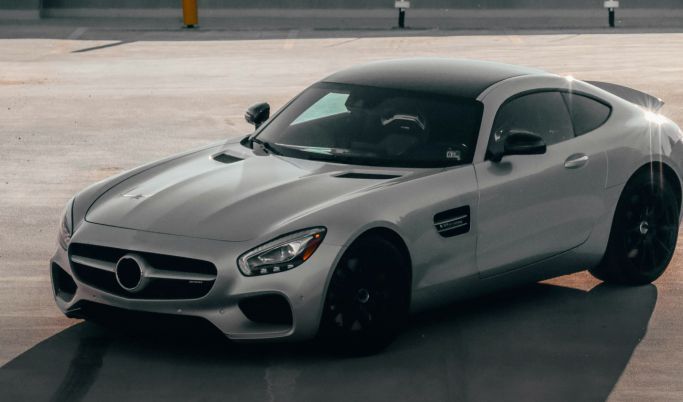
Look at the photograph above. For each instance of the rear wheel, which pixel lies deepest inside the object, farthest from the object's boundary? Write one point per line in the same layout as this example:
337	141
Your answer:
367	298
644	232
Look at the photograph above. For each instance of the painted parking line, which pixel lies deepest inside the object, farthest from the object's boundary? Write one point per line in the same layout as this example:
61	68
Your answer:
77	33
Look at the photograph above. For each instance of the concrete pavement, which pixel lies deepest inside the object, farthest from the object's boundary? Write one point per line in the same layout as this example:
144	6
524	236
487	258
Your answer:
76	110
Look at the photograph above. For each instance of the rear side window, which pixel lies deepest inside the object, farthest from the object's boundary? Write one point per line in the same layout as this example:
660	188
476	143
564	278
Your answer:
587	114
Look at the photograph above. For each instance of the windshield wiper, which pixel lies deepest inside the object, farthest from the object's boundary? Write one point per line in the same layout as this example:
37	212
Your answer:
335	155
309	149
330	151
266	146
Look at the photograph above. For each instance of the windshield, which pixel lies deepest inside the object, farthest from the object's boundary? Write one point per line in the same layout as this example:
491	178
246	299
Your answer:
375	126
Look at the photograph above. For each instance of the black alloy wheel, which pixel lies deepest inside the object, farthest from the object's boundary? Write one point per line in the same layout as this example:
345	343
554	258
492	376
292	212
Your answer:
367	298
644	232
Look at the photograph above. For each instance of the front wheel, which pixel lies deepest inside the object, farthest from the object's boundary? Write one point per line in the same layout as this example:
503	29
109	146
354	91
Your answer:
644	232
367	298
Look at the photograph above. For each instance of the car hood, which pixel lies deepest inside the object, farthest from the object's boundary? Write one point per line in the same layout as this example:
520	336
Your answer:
237	197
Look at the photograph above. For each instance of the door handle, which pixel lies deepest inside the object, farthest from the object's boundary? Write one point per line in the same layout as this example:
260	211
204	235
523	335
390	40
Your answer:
576	161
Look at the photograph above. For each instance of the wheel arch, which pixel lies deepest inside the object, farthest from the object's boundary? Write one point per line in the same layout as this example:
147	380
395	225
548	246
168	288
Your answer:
602	231
396	239
659	170
667	172
386	233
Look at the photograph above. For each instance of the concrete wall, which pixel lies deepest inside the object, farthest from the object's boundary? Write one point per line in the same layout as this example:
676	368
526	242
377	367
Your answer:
332	4
32	9
19	4
20	9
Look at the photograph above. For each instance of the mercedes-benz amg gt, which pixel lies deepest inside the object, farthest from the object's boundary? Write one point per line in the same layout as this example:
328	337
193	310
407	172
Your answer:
380	190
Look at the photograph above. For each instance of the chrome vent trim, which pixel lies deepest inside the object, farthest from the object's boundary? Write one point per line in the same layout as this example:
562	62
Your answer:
169	277
453	222
151	272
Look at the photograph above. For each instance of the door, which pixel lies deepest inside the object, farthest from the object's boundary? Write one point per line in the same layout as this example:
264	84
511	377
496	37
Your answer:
532	207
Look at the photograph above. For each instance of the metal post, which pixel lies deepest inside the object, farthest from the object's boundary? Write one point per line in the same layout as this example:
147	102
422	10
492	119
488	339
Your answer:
402	6
190	14
611	6
611	17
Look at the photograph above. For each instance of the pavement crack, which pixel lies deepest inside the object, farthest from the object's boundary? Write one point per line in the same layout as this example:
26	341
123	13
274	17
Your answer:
281	383
89	49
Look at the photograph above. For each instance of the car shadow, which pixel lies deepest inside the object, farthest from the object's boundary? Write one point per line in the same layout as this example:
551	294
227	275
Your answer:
540	342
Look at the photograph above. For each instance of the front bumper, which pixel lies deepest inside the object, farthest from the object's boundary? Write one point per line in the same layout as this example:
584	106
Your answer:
303	287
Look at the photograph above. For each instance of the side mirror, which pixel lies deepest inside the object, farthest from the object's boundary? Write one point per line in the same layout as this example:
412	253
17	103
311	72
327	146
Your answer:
520	142
257	114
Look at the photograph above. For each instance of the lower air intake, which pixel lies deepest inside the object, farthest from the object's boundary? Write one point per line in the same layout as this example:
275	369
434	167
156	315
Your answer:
267	309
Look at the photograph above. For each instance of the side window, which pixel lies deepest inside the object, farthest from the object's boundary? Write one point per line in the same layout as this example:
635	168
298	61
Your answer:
541	113
587	114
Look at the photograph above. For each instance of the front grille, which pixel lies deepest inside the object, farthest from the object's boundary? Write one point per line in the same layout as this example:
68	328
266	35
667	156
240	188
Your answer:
170	277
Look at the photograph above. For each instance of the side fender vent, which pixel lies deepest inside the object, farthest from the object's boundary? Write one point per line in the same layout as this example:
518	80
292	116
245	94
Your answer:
453	222
225	158
367	176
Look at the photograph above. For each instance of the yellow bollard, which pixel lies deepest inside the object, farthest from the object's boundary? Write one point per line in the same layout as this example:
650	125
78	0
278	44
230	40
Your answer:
190	14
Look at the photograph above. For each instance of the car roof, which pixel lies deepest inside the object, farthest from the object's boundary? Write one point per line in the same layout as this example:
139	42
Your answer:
456	77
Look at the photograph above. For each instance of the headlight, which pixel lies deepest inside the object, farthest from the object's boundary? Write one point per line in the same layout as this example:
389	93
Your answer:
66	226
281	254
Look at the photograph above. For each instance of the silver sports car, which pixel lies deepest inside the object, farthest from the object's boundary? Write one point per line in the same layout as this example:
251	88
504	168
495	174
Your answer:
380	190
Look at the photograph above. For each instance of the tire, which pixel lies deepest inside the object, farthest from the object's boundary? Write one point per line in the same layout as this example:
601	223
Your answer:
644	232
367	299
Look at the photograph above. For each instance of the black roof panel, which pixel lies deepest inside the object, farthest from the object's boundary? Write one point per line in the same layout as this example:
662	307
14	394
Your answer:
456	77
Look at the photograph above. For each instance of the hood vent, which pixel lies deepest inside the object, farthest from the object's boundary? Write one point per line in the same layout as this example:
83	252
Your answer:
225	158
367	176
